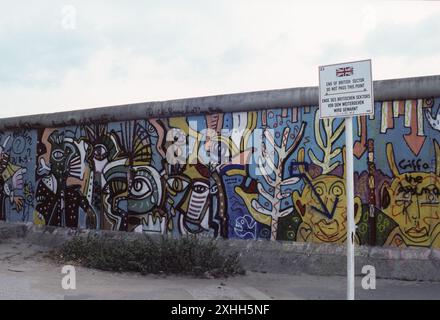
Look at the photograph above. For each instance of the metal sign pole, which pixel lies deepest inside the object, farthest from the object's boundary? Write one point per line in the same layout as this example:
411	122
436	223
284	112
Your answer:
350	206
346	91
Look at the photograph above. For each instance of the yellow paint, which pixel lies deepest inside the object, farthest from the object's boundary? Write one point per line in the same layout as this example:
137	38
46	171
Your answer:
413	202
248	198
38	220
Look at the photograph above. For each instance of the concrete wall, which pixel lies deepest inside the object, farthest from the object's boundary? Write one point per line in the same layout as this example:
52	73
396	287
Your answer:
90	172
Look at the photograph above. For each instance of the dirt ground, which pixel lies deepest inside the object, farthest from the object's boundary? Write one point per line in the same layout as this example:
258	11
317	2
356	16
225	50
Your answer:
26	272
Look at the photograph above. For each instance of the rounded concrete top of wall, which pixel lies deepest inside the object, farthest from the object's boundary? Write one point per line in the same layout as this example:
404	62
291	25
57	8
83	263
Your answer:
394	89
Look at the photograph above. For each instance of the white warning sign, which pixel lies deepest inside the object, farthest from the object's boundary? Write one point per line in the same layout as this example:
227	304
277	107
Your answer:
346	90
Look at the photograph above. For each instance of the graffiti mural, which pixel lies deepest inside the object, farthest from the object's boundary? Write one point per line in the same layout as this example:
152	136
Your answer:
17	158
412	200
60	188
322	205
275	174
131	185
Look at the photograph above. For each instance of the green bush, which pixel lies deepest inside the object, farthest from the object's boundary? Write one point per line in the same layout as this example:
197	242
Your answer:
188	255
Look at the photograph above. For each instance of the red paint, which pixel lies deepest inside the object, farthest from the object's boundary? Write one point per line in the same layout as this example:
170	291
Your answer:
413	140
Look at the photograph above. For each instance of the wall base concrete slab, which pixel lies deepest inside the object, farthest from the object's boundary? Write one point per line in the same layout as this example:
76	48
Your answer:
420	264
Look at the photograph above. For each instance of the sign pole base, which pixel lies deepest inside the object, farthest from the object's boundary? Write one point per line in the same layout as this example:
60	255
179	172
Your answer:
350	207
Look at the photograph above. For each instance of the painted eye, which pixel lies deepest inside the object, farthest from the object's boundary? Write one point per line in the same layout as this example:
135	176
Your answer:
319	190
337	191
177	184
214	189
141	187
58	154
100	152
200	188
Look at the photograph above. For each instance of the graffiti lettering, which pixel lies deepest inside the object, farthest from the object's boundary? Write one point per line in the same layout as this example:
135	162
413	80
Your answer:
414	190
413	165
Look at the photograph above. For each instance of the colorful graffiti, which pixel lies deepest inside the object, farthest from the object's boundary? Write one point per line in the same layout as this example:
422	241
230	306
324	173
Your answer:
413	201
16	177
274	174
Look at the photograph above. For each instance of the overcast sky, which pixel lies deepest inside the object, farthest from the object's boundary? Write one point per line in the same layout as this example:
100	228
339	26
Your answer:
59	56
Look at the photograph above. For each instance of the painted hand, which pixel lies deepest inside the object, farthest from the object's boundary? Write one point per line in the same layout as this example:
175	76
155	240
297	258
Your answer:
17	179
18	201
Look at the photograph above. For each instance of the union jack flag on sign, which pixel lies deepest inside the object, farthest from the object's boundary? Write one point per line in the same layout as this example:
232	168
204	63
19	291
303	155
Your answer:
344	72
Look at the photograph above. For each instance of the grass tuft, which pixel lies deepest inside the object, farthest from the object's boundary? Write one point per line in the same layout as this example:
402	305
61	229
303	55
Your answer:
184	256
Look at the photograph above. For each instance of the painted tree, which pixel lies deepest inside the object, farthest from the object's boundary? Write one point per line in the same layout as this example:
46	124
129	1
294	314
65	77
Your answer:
324	131
273	192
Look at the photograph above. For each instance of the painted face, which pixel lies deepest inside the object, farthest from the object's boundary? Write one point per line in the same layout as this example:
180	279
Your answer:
194	194
64	157
192	187
323	208
145	190
103	148
413	202
131	195
59	157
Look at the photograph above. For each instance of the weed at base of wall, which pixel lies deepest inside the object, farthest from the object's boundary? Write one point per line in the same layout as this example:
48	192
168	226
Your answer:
184	256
